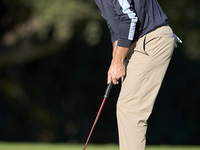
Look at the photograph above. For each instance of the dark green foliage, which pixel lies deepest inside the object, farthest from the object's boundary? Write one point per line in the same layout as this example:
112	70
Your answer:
54	57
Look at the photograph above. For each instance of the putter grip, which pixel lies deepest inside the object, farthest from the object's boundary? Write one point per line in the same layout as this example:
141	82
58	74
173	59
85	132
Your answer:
108	89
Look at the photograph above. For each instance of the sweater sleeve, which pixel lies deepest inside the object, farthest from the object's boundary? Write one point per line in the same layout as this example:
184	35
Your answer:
113	35
127	21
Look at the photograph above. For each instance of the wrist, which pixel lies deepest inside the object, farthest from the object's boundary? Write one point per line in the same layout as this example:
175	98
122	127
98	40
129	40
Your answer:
120	54
118	60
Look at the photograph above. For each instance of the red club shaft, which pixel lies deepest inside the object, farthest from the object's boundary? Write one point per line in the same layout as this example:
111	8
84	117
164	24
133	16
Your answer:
97	117
99	112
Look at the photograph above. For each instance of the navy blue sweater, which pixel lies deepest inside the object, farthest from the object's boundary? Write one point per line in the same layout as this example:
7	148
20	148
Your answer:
129	20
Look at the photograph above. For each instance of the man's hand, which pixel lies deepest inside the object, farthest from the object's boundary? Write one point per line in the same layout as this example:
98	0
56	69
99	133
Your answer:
117	66
116	71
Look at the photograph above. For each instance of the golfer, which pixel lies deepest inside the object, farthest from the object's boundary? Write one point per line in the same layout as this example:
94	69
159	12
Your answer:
139	31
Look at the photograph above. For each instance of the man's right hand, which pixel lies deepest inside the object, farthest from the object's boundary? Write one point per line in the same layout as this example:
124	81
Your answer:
117	66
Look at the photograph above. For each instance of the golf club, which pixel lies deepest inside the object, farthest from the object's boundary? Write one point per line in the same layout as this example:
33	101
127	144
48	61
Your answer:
98	114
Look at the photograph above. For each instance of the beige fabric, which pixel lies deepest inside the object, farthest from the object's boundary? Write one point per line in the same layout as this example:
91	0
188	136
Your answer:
148	61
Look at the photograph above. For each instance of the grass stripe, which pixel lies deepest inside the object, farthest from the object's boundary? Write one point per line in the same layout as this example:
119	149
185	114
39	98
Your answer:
62	146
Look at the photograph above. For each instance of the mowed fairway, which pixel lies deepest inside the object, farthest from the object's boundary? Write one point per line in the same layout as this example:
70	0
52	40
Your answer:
41	146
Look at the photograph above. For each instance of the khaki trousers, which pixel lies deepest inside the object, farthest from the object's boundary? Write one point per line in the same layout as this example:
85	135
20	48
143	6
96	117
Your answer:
149	58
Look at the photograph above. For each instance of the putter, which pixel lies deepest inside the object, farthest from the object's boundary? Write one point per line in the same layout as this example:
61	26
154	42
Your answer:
98	114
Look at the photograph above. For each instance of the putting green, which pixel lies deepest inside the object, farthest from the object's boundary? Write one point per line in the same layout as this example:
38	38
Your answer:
61	146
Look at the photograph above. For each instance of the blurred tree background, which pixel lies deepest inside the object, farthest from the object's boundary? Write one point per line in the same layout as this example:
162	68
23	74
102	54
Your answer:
54	57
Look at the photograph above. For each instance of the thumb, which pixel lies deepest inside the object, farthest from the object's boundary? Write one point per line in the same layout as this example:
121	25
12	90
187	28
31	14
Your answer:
108	79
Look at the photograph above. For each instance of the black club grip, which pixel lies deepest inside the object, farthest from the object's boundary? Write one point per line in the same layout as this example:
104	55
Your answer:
108	89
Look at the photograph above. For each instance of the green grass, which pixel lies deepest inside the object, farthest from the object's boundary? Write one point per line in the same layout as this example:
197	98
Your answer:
42	146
